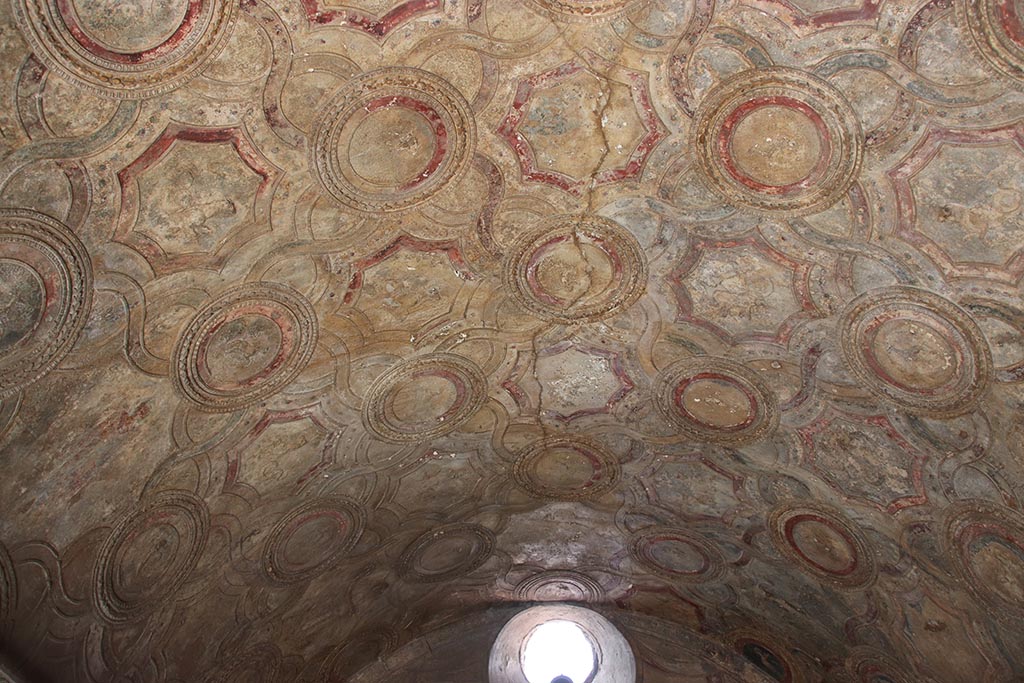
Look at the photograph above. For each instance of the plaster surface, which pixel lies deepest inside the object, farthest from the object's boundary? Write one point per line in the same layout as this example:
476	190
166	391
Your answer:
332	332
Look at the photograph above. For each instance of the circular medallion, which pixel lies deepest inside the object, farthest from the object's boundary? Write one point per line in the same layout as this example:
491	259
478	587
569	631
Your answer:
718	400
586	9
244	346
45	295
824	544
424	397
917	349
446	553
311	539
987	548
566	468
778	141
767	657
997	27
125	49
676	554
391	139
149	555
576	269
559	586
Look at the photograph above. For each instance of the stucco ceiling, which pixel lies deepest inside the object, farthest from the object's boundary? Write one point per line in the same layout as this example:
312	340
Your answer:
332	334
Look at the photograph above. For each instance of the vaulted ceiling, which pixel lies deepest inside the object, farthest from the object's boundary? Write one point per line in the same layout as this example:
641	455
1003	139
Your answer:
331	334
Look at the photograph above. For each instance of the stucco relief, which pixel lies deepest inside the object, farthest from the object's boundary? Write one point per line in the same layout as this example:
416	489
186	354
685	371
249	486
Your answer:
330	329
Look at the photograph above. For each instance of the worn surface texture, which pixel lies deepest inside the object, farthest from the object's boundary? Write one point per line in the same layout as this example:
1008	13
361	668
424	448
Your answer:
331	331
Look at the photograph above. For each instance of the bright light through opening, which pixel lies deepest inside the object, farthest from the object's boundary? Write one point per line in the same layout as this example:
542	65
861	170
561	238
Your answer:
558	648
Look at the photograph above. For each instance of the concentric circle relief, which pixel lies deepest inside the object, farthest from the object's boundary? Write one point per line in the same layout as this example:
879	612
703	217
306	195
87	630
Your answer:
244	346
556	585
997	27
576	268
676	554
311	539
149	555
586	9
391	139
566	468
763	652
778	141
129	49
718	400
45	295
447	553
423	398
824	544
917	349
987	548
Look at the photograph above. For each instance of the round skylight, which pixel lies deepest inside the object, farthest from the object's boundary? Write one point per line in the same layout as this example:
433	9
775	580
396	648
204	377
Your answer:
556	643
558	648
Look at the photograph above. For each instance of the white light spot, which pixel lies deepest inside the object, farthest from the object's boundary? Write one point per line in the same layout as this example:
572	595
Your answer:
558	648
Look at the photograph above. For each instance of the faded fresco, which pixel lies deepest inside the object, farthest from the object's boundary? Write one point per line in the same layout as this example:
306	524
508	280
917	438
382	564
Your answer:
332	331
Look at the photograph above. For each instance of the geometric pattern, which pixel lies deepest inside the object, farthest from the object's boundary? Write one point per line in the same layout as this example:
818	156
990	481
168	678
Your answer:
334	333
